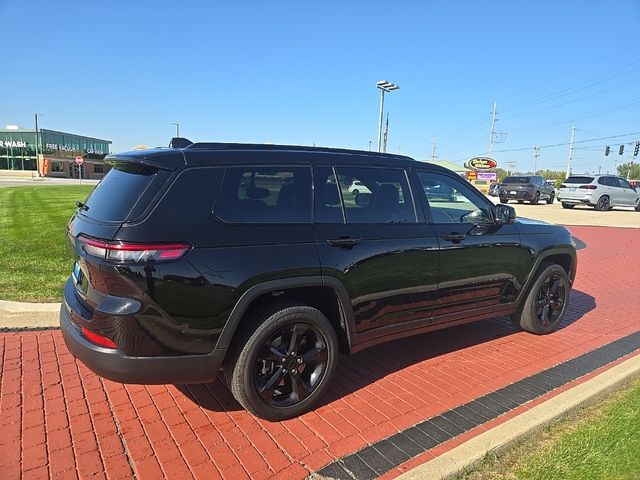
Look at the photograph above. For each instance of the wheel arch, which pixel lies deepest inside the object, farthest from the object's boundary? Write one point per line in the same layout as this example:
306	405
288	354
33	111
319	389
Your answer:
563	256
326	294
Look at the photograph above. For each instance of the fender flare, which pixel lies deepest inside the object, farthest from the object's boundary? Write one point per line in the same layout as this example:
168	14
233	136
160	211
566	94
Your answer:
241	306
557	250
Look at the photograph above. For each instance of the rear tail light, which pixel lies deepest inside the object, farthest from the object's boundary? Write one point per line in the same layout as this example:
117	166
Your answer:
588	187
132	252
98	339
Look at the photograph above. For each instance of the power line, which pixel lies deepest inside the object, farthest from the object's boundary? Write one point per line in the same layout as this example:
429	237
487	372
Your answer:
579	87
567	143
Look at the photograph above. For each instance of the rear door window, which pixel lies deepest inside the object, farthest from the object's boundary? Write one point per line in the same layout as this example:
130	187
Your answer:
255	194
119	191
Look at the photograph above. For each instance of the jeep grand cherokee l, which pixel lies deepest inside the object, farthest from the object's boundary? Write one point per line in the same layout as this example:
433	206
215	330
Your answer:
260	261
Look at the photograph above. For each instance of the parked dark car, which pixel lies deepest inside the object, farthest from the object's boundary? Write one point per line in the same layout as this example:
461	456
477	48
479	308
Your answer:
257	260
532	188
494	189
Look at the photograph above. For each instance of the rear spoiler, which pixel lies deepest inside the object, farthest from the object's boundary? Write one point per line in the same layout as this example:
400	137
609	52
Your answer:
162	158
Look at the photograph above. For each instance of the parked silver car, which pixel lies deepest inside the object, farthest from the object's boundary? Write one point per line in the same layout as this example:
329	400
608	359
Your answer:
602	192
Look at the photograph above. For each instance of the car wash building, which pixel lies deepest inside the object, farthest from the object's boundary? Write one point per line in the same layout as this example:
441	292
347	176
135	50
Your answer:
49	153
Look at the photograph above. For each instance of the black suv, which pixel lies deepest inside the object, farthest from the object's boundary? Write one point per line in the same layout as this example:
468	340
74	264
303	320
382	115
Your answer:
258	260
531	188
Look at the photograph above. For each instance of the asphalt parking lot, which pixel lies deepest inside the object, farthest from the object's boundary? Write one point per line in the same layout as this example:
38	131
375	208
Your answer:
554	213
59	420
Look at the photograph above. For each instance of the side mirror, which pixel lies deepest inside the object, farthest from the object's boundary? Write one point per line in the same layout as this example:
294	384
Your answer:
363	199
505	214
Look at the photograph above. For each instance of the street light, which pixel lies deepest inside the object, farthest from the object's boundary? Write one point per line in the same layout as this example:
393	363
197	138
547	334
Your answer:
177	129
384	86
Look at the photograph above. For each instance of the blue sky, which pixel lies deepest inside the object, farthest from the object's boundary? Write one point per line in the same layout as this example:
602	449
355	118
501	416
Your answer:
305	73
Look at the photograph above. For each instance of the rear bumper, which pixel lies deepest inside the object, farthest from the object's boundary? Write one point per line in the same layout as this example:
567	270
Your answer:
114	365
517	195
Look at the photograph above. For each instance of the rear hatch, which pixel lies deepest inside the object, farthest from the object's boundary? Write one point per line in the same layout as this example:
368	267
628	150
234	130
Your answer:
516	186
576	187
123	195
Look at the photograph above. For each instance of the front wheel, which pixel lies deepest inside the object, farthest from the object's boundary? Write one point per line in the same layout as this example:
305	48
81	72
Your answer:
283	362
547	301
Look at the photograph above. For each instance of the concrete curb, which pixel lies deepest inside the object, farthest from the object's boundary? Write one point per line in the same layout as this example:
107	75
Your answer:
28	315
466	456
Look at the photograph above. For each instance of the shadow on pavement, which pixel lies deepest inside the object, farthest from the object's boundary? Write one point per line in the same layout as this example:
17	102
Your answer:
355	372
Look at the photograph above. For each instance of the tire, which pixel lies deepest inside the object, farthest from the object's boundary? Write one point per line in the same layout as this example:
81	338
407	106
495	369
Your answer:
535	199
551	199
355	192
253	361
603	204
567	205
543	310
520	201
504	200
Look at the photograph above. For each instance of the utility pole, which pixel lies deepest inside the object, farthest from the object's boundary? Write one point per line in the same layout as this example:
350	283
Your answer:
573	133
536	154
493	128
434	143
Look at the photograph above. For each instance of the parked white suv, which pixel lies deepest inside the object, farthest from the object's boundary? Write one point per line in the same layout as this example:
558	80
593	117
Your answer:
602	192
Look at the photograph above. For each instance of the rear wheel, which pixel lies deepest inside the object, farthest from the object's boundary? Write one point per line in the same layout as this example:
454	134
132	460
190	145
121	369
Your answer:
603	204
547	301
535	199
283	362
567	205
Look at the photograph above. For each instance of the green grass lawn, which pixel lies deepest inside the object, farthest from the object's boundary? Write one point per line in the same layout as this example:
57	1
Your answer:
601	442
34	262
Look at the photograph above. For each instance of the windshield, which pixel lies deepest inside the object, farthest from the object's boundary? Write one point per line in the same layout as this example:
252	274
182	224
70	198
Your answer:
579	180
118	192
516	180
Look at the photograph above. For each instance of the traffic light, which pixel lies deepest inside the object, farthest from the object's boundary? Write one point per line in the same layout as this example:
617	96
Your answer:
621	150
636	149
607	149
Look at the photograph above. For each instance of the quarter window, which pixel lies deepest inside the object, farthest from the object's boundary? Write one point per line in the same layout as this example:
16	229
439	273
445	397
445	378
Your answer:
375	195
265	195
450	201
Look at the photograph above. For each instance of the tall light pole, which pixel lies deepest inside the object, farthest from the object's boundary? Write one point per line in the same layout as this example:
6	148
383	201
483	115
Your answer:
384	86
573	134
177	129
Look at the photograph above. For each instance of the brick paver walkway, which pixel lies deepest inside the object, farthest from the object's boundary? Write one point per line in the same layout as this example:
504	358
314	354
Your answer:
59	420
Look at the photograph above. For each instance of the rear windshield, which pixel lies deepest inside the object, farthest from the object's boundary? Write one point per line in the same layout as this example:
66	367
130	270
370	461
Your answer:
579	180
516	180
118	192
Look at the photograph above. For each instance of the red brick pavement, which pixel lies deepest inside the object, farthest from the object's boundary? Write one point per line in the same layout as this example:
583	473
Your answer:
59	420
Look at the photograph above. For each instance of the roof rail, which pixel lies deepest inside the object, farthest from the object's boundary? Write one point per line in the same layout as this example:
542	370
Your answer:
180	142
269	146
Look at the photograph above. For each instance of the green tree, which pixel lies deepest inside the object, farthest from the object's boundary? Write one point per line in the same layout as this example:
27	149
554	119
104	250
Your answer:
629	170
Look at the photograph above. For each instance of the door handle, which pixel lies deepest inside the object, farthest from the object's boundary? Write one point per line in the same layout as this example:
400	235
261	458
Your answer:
454	237
343	242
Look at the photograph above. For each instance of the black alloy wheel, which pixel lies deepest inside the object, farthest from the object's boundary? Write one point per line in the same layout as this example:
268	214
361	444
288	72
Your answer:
290	365
603	204
546	302
535	199
282	361
550	300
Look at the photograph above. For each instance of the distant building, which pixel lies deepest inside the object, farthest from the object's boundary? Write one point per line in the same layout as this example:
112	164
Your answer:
56	154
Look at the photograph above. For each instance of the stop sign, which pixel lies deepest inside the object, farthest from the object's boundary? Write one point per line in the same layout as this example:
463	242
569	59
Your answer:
79	160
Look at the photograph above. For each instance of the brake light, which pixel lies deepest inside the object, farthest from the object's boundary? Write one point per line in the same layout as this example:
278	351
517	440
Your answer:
588	187
98	339
132	252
